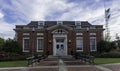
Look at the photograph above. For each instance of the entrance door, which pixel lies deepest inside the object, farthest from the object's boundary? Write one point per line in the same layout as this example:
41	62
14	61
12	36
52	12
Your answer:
60	49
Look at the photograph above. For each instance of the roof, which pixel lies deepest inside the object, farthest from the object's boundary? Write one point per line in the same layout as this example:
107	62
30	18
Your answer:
51	23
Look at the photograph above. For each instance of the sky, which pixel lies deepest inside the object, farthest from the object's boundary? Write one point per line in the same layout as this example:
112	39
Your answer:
21	12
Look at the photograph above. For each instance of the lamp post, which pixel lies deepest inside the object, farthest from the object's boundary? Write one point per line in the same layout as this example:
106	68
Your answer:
33	30
88	37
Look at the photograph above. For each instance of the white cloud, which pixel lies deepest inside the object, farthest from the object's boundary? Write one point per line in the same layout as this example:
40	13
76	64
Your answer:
1	15
40	9
6	30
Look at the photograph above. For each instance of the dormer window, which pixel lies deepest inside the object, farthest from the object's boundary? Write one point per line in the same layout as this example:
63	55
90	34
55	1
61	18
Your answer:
40	23
77	23
92	27
59	22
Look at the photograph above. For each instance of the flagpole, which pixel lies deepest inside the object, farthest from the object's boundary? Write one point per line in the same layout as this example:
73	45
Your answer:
107	16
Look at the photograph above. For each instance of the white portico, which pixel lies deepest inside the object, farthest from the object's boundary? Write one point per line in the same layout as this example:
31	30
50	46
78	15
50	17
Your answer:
59	42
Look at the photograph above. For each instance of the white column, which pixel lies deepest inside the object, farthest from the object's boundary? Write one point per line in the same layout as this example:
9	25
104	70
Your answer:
66	45
54	46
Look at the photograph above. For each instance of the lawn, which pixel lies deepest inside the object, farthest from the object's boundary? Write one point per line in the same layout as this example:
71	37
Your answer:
106	60
13	64
24	63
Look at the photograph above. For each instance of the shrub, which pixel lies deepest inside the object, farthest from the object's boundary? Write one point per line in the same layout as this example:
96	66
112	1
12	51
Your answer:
103	46
11	46
14	57
108	55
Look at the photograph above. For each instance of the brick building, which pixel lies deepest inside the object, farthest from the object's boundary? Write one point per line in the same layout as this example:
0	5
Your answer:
59	38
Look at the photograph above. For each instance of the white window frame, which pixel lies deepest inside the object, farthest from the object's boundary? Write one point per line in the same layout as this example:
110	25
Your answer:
40	34
26	33
23	44
79	33
59	23
95	44
37	44
39	23
76	23
92	33
80	38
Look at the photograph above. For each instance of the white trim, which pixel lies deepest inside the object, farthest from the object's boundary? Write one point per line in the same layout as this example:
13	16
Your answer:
76	23
23	44
40	34
55	31
59	23
26	33
37	44
79	33
92	33
54	42
95	44
39	23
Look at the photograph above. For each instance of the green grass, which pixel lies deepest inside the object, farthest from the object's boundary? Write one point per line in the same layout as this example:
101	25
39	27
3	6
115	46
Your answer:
106	60
24	63
13	64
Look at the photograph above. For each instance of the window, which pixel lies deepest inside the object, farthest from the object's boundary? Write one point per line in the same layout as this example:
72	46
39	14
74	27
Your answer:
40	44
25	44
79	43
77	23
60	31
93	43
59	22
40	23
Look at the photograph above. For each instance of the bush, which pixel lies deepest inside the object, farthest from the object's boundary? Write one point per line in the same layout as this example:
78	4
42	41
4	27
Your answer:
14	57
108	55
103	46
11	46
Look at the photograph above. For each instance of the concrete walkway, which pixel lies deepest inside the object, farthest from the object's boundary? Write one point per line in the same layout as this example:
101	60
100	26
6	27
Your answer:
106	67
69	64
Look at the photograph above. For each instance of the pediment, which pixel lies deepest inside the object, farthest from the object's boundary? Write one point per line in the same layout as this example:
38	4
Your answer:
60	26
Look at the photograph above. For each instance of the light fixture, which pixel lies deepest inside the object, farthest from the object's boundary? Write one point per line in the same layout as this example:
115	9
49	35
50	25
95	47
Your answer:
49	41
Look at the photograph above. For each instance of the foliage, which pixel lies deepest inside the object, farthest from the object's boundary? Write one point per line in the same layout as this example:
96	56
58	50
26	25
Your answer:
103	46
14	57
11	46
1	43
113	45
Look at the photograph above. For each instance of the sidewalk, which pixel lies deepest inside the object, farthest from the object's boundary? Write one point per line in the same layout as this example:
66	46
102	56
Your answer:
70	64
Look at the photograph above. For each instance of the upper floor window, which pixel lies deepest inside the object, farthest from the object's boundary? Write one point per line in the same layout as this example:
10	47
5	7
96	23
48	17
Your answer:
59	22
77	23
92	27
40	23
59	31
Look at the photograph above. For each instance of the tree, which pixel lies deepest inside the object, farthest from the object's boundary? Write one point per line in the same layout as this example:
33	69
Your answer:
1	43
104	46
11	46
